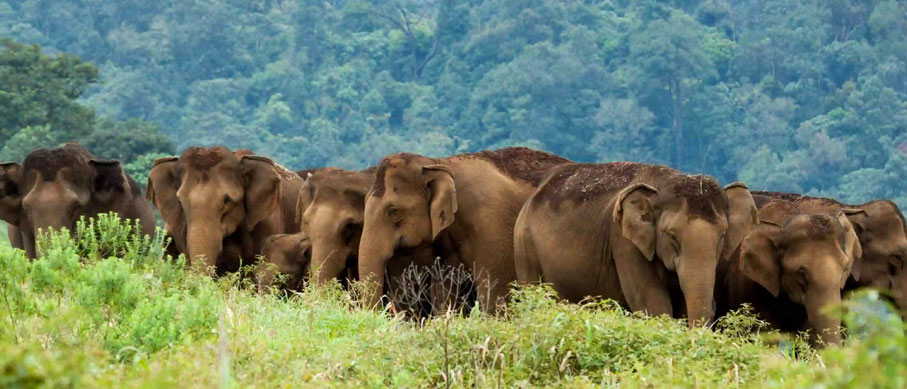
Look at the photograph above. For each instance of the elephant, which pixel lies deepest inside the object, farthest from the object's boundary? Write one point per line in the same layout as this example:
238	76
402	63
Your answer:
288	254
54	188
880	226
330	213
792	267
221	206
596	230
462	207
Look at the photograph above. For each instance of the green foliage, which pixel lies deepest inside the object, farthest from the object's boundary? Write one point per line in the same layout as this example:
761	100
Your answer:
127	141
140	168
806	96
37	90
108	308
39	107
110	290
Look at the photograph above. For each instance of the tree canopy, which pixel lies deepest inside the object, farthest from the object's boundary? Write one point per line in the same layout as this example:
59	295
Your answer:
804	96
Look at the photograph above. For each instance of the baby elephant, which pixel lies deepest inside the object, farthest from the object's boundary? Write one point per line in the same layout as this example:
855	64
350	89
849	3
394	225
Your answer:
288	254
791	269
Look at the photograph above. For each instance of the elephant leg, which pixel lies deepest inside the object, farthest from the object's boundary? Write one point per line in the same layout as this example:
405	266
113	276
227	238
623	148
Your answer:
444	292
15	236
640	282
490	290
28	243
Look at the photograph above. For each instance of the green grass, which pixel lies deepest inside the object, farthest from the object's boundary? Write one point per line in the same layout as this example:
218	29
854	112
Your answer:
4	238
105	310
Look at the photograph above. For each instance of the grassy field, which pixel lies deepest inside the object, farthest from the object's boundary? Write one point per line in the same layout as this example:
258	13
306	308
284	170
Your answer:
104	310
4	239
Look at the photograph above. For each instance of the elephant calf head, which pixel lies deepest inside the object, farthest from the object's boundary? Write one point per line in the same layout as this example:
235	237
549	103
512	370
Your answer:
288	254
53	188
689	223
330	211
806	258
209	194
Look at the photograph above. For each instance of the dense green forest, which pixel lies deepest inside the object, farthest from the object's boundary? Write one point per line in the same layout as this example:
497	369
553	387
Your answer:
804	96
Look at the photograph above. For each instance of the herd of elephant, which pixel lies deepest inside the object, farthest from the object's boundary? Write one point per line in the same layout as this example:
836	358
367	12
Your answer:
651	238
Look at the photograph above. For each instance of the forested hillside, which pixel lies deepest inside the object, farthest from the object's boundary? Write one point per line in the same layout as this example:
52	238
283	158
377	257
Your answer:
790	95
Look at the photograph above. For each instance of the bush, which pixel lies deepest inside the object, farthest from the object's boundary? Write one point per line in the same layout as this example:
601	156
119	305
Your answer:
108	308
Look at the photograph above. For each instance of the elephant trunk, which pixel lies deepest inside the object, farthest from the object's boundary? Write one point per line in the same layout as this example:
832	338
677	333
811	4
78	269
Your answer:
51	222
374	252
327	261
826	326
698	295
205	244
697	281
265	274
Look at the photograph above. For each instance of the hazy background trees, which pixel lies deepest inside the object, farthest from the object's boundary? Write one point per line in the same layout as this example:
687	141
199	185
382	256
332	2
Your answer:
806	96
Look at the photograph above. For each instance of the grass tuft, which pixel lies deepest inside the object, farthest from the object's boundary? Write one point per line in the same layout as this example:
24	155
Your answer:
108	309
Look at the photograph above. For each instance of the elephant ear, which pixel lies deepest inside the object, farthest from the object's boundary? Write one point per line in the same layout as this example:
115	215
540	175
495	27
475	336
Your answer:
858	218
759	257
10	192
262	189
850	244
741	218
163	183
110	182
634	213
305	198
442	197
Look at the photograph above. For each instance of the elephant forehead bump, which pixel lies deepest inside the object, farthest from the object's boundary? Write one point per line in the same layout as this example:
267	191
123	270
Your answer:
522	163
812	226
703	195
391	161
49	161
205	158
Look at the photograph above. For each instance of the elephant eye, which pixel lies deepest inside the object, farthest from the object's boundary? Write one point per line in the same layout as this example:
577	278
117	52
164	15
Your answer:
349	229
73	209
225	203
898	260
674	241
394	213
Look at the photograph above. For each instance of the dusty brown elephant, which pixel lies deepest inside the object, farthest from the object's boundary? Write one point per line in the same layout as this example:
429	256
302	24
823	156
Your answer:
880	226
330	210
790	268
330	207
462	206
53	188
643	235
288	254
221	206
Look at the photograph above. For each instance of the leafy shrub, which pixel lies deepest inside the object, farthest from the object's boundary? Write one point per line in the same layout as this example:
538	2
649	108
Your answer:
107	308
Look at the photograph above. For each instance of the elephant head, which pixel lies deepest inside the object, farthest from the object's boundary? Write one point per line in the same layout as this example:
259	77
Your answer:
689	223
807	259
330	212
880	227
209	194
412	200
53	188
287	254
